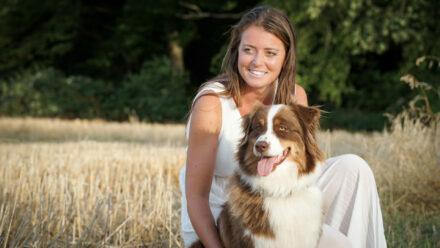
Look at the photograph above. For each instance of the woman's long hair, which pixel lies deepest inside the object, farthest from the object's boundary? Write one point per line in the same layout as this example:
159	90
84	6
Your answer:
273	21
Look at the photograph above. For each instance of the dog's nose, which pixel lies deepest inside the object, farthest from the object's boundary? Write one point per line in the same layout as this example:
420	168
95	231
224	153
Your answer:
262	146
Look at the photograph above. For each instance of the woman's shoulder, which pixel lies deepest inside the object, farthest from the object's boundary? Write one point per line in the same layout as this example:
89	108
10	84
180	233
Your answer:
216	84
206	114
213	86
206	110
301	95
208	102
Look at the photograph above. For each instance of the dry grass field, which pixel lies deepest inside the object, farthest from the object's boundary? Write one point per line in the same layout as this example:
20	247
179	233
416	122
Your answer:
100	184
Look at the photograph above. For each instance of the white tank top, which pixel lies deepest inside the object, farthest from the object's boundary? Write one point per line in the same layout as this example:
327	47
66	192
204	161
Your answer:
225	162
230	132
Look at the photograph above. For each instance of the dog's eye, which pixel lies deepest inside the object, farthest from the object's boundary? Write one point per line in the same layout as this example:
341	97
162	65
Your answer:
258	125
282	128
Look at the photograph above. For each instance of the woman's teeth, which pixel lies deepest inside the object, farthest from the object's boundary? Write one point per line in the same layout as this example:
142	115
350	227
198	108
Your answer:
257	73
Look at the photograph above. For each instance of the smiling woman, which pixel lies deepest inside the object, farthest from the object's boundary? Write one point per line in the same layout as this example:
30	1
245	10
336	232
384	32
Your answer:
260	58
260	66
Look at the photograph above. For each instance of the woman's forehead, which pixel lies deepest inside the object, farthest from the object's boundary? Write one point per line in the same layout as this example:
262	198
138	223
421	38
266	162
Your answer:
257	36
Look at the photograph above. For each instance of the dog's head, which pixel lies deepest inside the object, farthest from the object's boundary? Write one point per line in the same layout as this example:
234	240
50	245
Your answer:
279	143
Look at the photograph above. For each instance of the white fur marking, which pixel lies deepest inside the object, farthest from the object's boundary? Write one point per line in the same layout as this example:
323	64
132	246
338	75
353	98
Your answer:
269	136
296	220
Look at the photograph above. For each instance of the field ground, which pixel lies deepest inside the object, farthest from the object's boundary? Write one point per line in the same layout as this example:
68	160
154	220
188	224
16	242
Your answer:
94	183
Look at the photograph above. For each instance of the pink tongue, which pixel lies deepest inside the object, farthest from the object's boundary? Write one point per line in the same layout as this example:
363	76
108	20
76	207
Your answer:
265	165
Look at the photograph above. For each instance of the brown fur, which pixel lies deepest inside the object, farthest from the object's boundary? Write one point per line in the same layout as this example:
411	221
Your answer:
302	133
244	208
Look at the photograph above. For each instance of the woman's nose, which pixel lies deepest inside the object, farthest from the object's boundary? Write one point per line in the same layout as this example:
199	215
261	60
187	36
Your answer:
258	59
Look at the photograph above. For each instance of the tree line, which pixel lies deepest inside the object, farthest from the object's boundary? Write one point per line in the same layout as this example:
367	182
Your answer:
119	59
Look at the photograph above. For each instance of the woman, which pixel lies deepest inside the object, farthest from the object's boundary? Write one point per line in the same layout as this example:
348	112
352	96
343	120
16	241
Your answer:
260	65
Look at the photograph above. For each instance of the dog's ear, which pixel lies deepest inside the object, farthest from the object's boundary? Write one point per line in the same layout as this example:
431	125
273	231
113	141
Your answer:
309	115
246	126
247	120
309	119
255	107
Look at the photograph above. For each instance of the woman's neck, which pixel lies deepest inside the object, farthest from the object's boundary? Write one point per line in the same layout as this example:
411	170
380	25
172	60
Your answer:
251	95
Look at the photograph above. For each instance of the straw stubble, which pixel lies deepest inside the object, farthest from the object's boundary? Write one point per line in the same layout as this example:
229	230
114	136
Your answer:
93	183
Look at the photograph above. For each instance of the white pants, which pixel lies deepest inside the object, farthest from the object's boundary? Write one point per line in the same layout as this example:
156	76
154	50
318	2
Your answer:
353	203
354	218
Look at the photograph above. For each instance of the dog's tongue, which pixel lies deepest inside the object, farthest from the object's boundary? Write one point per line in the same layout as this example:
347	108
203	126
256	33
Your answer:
265	165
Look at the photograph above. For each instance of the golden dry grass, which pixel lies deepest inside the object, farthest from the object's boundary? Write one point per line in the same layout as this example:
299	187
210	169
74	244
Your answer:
95	183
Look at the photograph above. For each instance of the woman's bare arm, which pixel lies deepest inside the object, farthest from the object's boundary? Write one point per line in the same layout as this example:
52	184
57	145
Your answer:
301	96
202	149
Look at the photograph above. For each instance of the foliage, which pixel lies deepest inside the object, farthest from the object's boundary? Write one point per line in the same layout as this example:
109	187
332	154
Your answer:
352	120
48	92
425	105
93	38
352	53
102	39
156	93
36	33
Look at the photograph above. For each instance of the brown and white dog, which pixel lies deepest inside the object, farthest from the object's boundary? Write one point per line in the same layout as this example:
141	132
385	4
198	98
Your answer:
273	199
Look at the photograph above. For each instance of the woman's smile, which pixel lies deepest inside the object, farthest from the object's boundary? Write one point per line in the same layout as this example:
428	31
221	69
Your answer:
258	74
260	58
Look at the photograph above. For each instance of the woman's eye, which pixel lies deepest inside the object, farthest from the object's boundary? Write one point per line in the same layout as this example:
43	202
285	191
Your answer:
247	50
271	54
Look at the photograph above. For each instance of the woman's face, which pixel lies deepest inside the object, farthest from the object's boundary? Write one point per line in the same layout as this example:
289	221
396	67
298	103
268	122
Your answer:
261	56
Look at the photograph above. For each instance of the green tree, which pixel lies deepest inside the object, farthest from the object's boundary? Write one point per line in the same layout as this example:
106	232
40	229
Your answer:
352	52
36	33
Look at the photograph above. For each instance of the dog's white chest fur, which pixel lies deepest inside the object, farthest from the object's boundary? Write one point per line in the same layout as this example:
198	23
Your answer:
295	221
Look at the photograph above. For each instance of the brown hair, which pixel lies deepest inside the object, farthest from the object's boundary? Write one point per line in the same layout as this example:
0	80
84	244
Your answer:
275	22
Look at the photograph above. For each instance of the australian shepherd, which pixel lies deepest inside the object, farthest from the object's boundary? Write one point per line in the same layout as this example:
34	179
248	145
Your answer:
273	199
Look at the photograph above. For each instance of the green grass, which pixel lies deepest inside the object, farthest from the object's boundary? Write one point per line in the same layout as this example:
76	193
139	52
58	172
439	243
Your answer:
412	229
